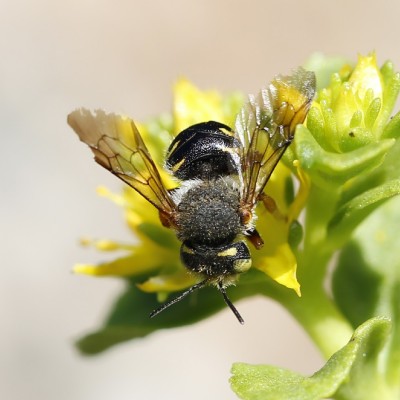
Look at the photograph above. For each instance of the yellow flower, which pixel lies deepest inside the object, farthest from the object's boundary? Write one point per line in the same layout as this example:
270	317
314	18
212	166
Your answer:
349	109
276	258
348	132
156	254
192	106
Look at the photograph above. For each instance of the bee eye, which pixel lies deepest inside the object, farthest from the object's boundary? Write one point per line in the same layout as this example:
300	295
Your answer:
242	265
241	261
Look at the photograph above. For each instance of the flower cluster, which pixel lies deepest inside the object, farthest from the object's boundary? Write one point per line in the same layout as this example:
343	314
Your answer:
337	235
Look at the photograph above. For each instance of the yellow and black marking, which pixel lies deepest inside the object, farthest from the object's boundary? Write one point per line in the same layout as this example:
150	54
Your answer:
217	262
234	254
203	151
229	252
176	167
187	250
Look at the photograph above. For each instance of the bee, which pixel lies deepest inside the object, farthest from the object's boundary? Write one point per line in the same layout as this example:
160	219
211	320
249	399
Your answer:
222	174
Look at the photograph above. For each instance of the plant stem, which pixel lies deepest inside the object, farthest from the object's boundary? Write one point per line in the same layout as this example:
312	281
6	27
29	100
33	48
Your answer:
327	327
315	311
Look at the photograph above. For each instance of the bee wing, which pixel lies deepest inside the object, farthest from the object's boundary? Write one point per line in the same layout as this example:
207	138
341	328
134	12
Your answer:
117	146
266	124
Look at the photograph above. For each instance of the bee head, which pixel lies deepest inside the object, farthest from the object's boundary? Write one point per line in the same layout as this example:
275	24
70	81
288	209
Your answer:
218	266
217	263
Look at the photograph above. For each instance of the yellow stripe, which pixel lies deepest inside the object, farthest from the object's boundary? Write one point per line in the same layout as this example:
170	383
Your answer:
226	131
187	250
178	165
177	143
232	251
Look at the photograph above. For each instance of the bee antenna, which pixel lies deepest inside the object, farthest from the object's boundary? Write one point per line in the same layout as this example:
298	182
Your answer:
179	298
229	303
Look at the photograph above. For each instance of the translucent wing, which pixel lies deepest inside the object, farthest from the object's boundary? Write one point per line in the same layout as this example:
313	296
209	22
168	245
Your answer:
266	124
117	146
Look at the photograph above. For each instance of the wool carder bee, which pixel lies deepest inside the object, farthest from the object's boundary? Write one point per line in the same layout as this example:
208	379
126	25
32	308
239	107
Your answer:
222	174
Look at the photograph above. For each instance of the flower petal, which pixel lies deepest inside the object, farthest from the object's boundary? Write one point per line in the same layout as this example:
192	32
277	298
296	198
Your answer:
192	106
281	267
302	194
168	283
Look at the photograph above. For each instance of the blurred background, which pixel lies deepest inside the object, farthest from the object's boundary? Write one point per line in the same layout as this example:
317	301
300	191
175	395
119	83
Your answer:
124	56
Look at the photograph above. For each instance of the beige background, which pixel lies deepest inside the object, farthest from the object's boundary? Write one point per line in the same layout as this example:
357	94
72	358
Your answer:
124	56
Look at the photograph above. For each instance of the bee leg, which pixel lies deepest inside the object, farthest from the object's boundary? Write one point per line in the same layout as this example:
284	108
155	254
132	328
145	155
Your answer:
179	298
229	303
271	206
255	238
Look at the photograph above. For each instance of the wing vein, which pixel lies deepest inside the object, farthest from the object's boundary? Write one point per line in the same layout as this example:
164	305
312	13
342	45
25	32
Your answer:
265	127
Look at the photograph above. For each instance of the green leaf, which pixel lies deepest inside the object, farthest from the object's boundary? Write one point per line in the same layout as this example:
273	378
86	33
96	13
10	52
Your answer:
259	382
366	380
331	170
129	318
364	194
372	112
366	280
357	209
392	129
355	286
391	92
317	125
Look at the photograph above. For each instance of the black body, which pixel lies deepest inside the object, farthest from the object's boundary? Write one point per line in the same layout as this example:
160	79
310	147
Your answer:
203	151
205	157
214	262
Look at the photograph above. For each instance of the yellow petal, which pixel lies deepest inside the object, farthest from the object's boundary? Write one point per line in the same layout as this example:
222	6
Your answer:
168	283
276	258
192	106
138	210
105	244
366	75
116	198
281	267
127	266
85	269
145	258
345	106
302	194
276	186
